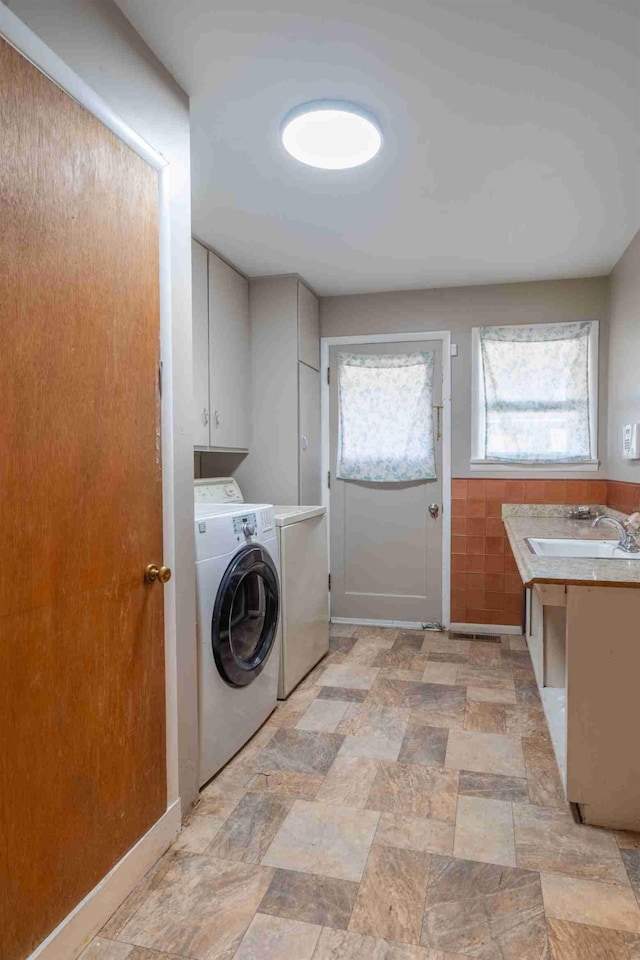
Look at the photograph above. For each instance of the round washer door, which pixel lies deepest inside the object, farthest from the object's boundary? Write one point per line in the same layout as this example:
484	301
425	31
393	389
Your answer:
245	616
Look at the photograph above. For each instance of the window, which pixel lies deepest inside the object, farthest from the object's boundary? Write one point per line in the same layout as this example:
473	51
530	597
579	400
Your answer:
535	395
385	430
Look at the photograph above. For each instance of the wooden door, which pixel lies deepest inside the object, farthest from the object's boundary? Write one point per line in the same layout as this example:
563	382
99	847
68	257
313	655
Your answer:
309	440
386	548
230	361
82	710
200	309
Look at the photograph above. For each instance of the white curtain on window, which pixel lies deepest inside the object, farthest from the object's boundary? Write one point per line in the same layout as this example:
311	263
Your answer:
536	393
385	417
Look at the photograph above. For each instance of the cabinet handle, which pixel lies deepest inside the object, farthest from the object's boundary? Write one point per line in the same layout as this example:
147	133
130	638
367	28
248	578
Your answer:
205	416
216	417
305	443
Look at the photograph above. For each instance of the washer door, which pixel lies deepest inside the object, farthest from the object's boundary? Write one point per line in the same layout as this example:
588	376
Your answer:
245	616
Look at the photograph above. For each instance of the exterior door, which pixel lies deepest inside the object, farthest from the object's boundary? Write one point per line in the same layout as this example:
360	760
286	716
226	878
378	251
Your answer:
386	548
82	710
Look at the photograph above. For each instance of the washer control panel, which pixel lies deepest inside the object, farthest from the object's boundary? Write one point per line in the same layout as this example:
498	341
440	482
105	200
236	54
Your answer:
246	526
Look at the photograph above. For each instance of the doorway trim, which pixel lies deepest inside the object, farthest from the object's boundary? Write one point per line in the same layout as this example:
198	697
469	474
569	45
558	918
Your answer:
70	937
445	337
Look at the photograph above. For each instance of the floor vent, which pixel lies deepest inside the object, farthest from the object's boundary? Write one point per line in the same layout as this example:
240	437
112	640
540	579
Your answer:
487	637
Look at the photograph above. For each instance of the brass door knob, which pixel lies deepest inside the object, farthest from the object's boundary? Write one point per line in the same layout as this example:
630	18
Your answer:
153	572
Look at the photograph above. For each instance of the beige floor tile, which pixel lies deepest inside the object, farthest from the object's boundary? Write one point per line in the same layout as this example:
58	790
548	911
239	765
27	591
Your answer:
484	910
370	748
485	717
322	716
493	787
632	941
340	945
346	675
485	753
200	909
301	751
101	949
424	745
591	902
323	839
150	882
216	806
248	832
415	833
391	898
525	721
415	791
314	899
198	834
387	722
517	643
436	672
386	635
348	782
627	839
489	695
484	831
287	783
550	841
496	678
342	629
276	938
575	941
440	643
483	654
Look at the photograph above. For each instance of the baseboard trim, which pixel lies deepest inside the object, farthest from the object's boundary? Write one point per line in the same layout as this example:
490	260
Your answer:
72	935
515	629
401	624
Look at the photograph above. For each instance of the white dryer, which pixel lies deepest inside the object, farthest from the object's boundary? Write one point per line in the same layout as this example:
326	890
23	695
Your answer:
238	605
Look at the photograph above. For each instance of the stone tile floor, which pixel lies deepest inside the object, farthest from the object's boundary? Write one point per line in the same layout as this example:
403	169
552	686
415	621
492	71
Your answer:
403	804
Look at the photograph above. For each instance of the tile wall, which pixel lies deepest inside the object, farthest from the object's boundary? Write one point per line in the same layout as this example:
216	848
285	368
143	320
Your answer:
623	496
485	584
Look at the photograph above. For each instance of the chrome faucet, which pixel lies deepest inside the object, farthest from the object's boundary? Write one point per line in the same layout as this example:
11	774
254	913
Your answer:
628	541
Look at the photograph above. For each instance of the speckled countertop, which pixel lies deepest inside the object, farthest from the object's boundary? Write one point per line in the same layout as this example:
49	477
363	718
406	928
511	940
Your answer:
522	522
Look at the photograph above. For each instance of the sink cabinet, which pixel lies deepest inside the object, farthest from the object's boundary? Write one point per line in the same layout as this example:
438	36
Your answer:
585	651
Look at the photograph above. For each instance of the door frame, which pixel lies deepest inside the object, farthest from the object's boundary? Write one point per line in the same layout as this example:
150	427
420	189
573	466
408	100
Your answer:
87	917
445	336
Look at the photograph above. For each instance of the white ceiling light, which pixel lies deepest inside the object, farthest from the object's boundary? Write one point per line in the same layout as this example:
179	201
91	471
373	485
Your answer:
331	135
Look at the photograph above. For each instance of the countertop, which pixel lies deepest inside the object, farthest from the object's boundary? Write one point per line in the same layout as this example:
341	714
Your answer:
294	514
523	523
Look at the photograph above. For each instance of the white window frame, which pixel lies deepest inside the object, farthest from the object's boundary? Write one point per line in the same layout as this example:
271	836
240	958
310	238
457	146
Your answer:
478	422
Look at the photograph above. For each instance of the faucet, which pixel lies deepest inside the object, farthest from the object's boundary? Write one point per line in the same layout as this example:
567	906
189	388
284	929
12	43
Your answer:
628	541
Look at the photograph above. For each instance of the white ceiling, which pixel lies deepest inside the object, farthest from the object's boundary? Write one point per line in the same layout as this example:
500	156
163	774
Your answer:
511	135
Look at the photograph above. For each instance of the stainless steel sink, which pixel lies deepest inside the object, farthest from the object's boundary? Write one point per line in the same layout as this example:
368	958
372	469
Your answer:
590	549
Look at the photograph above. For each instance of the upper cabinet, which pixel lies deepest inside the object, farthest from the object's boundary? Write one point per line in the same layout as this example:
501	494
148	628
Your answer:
229	357
200	301
308	327
283	466
221	353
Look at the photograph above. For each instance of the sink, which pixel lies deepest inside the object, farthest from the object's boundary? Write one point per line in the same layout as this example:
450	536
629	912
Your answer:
590	549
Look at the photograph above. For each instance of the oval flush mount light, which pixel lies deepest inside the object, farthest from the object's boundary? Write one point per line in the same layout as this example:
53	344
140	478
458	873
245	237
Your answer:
331	134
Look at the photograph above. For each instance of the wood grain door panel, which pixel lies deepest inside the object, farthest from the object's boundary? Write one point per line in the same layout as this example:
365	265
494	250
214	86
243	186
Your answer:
82	715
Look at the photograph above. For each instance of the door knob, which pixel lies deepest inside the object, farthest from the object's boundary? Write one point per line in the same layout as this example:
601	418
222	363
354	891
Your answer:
434	510
153	572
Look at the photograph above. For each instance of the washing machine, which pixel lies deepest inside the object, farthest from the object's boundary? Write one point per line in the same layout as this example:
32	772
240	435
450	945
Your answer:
238	606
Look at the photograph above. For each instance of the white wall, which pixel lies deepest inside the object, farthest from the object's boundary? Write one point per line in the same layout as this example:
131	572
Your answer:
624	359
459	309
96	41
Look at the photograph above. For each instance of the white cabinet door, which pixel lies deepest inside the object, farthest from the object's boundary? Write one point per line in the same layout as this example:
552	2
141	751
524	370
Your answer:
309	435
230	370
308	327
200	308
